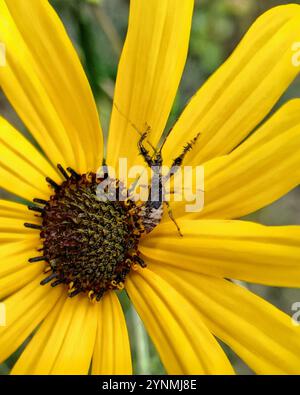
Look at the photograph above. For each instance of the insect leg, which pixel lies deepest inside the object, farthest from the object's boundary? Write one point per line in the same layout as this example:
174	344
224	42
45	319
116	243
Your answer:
187	148
170	213
144	152
173	191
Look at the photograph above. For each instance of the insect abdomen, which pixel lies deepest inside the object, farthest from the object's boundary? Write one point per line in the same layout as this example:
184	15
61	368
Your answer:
151	217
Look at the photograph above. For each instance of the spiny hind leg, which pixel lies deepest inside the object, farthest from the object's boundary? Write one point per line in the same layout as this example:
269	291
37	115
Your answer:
172	218
177	162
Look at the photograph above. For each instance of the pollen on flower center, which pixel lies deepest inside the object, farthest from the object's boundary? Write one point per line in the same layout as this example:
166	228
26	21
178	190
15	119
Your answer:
88	244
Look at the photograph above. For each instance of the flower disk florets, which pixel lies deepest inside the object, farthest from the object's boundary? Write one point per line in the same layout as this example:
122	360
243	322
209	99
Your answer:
89	244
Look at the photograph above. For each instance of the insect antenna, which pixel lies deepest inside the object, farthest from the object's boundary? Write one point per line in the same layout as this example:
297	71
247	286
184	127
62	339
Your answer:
148	128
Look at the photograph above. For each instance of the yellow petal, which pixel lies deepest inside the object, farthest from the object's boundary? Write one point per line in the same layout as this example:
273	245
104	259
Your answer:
263	336
12	230
183	341
12	218
15	270
261	170
22	168
244	89
18	279
76	351
64	343
149	72
24	311
15	236
231	249
112	349
45	82
13	225
33	352
14	256
9	209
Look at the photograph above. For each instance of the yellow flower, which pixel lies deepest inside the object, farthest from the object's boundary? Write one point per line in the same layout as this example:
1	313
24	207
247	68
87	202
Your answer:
183	296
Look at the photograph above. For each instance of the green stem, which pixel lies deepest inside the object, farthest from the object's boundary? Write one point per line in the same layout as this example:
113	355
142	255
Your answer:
141	343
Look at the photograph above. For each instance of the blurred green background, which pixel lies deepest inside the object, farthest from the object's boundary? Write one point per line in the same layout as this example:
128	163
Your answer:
98	29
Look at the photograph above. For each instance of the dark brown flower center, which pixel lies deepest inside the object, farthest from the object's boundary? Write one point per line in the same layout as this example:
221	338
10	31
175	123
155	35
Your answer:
88	244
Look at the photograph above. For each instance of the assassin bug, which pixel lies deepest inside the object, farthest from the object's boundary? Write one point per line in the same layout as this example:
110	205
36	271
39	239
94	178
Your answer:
152	210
